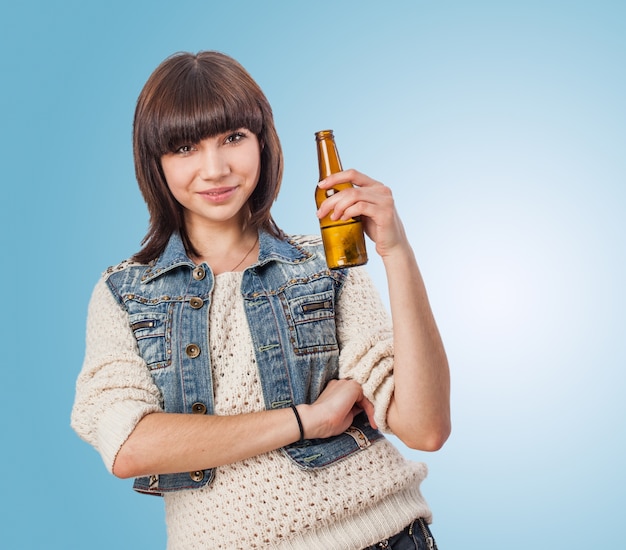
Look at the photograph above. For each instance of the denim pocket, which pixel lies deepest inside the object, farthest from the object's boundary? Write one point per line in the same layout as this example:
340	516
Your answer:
150	330
311	320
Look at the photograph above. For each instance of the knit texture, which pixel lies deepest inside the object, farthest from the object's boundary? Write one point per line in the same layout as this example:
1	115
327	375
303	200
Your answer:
265	501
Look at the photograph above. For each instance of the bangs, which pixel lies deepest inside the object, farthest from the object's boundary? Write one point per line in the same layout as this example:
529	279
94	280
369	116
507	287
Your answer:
188	98
196	108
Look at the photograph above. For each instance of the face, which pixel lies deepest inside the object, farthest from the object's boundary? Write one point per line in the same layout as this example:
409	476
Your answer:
213	179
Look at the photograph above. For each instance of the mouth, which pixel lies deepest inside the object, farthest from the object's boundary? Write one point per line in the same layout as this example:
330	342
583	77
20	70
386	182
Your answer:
220	194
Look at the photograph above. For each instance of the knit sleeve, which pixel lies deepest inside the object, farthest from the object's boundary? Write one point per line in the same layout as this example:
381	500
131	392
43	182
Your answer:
114	390
366	341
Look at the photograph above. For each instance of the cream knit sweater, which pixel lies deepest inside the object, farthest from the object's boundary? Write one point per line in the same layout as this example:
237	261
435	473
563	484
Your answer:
265	501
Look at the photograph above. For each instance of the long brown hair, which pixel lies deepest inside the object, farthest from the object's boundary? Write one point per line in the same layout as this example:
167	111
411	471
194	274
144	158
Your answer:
188	98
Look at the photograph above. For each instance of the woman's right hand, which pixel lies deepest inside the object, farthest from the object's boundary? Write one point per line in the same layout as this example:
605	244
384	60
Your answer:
334	410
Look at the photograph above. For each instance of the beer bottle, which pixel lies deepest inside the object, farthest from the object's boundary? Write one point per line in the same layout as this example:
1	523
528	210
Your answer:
344	242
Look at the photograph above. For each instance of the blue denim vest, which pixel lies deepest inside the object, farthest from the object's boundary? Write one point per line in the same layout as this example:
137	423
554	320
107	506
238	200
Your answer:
289	297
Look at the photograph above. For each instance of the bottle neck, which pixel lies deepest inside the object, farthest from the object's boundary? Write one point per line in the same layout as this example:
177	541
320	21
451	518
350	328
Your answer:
327	156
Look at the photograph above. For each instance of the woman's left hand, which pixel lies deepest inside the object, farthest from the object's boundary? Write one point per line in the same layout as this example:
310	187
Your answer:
419	410
371	200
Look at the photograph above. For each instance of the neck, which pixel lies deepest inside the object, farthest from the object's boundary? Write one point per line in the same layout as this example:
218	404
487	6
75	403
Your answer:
226	250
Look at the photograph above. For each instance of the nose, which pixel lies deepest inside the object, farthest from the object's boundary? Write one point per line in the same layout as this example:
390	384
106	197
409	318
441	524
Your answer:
213	163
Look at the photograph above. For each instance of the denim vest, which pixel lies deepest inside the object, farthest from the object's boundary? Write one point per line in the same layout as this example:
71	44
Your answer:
289	298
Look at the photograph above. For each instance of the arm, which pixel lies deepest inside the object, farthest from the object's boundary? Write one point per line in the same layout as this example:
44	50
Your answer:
117	409
419	410
169	443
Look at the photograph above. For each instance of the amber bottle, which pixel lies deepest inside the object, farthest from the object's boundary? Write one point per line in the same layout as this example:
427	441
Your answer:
344	242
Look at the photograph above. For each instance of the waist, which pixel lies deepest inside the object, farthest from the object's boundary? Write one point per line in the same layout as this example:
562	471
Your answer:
367	497
368	524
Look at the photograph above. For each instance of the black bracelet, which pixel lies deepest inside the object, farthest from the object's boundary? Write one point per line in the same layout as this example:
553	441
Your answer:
295	411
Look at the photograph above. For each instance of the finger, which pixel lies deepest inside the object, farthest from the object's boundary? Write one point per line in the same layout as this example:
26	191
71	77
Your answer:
349	203
348	176
367	406
341	199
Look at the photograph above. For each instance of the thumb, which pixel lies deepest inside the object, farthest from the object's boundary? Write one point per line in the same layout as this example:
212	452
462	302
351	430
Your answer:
367	406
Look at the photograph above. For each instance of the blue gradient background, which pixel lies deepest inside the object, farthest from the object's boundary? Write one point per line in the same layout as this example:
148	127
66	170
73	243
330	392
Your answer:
500	127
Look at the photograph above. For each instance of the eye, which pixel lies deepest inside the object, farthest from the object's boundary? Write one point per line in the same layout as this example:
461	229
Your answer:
235	137
184	149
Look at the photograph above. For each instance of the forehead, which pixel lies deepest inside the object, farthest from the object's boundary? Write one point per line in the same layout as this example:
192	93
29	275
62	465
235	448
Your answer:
194	120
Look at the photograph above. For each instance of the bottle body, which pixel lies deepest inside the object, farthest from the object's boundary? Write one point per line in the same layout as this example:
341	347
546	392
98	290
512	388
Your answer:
344	240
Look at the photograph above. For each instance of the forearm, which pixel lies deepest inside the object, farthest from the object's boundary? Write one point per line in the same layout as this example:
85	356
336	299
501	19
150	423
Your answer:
163	443
419	412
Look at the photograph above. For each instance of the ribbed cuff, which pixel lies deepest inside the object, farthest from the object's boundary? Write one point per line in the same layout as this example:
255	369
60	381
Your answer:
115	424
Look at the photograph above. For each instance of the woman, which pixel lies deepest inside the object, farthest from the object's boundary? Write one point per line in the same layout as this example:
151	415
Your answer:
229	370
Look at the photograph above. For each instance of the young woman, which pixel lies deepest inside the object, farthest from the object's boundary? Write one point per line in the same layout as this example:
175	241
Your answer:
229	370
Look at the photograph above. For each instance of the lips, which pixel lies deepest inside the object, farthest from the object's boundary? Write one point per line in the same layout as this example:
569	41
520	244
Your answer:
220	194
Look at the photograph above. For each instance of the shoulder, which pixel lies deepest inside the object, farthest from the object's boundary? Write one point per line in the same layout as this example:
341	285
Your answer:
116	278
315	263
305	240
124	265
104	305
309	245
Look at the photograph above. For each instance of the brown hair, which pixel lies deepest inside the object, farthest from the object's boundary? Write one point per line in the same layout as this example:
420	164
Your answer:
185	100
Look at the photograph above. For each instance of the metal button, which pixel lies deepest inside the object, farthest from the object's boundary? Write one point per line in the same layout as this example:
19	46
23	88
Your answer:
192	350
197	476
198	408
196	303
199	273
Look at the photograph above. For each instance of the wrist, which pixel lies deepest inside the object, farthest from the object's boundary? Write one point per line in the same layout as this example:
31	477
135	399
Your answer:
299	422
308	424
400	249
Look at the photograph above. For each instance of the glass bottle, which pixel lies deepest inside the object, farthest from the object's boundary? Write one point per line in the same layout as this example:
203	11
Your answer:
344	242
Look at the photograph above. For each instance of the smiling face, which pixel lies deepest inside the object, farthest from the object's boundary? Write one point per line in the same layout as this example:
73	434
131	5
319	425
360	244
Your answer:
189	100
213	179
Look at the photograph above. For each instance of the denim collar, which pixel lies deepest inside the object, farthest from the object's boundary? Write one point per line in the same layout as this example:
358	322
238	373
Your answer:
270	249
